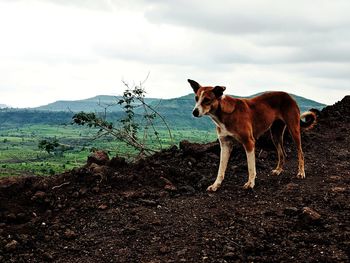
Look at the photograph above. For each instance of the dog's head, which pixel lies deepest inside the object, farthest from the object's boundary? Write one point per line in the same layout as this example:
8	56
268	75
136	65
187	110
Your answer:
207	98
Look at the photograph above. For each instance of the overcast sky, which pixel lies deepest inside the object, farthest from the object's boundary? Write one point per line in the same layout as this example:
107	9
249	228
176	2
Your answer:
75	49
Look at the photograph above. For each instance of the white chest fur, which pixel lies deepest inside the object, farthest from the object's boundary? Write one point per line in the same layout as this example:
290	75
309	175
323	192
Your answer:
223	131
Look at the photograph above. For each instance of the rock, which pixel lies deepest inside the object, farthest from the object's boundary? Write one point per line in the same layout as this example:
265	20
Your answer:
164	249
196	149
191	161
170	187
12	245
334	178
23	238
338	189
39	195
83	191
168	184
292	186
309	215
98	169
181	252
70	234
103	207
40	185
98	157
229	249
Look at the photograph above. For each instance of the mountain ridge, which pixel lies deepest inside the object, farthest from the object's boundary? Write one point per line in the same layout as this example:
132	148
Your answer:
99	102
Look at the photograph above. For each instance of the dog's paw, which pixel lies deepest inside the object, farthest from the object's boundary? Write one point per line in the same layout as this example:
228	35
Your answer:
213	188
276	172
301	175
249	184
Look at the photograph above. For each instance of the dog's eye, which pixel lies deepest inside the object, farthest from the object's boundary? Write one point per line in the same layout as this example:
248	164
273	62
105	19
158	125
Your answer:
196	98
206	101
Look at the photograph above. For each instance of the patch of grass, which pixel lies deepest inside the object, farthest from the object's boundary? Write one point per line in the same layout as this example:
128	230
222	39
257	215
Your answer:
19	152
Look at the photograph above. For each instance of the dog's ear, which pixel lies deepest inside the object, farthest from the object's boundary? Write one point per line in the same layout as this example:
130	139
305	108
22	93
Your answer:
195	86
218	91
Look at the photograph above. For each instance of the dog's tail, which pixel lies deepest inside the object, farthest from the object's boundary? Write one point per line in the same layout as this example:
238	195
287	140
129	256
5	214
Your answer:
310	119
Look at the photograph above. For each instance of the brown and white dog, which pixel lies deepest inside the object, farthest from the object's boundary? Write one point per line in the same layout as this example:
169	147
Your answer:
246	119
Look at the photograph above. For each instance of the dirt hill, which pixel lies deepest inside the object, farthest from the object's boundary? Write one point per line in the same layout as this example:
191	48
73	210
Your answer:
157	210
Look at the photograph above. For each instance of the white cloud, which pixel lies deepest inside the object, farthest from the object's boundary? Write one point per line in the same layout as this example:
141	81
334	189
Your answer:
53	50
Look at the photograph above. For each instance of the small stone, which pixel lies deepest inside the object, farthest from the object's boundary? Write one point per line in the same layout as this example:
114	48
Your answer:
292	186
148	202
334	178
12	245
98	157
169	186
309	215
103	207
181	252
99	170
39	195
229	249
192	160
23	238
70	234
164	249
83	191
338	189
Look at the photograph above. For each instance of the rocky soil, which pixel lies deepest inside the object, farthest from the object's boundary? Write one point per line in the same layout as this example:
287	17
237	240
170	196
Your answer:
158	210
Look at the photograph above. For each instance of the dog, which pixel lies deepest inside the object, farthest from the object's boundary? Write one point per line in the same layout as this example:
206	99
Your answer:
247	119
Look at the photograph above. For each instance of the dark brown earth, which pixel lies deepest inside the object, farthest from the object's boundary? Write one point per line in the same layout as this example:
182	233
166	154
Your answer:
157	210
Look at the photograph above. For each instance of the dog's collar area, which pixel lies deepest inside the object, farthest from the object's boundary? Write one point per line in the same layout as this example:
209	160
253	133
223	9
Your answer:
218	111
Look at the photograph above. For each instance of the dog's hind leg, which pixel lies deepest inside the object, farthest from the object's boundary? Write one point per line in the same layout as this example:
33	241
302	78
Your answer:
226	145
277	132
294	130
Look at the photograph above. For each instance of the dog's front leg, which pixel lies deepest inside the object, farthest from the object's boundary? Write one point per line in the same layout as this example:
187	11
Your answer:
250	152
226	148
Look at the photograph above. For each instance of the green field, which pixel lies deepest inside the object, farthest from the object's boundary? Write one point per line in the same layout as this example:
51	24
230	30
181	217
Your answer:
20	154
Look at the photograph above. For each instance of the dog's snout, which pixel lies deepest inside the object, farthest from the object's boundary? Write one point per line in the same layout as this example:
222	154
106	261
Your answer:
195	112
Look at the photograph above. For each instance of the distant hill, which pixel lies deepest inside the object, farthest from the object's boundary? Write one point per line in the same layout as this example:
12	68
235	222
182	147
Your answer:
3	106
94	104
98	103
176	111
